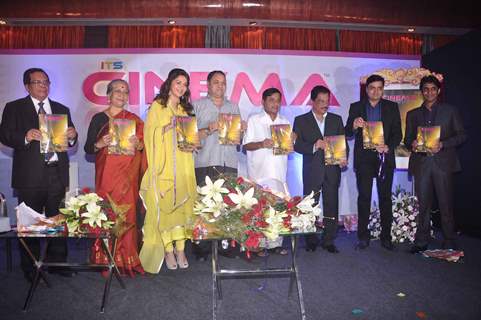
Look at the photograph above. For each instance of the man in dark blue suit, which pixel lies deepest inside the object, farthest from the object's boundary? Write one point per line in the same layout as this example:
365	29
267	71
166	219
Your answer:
311	129
40	180
433	172
379	163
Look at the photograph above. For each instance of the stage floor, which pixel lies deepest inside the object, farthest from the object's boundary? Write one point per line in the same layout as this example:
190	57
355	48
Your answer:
349	285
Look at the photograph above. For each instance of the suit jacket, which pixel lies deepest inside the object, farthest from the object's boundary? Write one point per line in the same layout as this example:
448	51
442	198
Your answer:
29	170
307	131
391	122
452	135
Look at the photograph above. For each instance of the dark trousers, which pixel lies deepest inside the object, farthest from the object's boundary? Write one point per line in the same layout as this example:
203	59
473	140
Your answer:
364	175
46	199
330	206
430	181
203	248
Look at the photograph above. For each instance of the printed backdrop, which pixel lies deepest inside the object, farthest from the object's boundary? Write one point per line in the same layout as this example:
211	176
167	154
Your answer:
79	79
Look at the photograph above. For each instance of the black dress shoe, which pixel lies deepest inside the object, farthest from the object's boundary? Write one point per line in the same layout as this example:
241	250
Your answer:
330	248
449	244
362	244
311	247
416	249
387	245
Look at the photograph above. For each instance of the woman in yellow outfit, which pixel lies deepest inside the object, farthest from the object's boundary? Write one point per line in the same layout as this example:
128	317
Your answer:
168	187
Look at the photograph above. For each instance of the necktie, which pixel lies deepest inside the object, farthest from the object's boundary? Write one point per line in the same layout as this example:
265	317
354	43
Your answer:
41	110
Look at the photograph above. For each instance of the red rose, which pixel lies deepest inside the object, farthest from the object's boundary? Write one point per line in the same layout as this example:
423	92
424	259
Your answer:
228	201
253	239
246	218
239	180
85	190
261	224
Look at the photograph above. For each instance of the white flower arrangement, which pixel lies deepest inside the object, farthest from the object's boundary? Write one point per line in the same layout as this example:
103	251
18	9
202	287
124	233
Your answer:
242	210
88	212
405	208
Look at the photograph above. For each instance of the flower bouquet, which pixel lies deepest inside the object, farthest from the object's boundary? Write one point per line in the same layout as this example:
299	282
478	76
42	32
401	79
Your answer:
405	208
239	209
89	213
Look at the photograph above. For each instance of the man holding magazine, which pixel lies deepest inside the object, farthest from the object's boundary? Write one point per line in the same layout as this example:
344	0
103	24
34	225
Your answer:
217	156
267	154
433	160
314	132
40	178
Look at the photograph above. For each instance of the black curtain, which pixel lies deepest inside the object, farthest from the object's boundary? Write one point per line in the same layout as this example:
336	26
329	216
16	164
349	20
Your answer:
460	64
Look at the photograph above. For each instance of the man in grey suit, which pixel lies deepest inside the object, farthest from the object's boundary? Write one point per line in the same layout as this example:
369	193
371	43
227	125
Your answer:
433	172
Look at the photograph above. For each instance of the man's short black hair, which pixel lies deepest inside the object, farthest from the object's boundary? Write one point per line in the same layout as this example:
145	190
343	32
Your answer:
319	89
429	79
269	92
374	78
213	73
28	72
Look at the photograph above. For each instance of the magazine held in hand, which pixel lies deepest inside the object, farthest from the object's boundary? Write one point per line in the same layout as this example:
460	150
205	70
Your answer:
121	130
54	132
187	133
281	137
229	128
372	134
335	151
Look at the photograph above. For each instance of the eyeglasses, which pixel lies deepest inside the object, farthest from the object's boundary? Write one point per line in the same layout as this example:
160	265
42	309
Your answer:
40	82
120	92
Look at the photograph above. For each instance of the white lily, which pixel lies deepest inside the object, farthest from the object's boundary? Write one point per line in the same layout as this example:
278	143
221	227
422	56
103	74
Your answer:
307	204
304	222
216	209
74	203
199	206
94	215
245	200
89	197
276	223
213	190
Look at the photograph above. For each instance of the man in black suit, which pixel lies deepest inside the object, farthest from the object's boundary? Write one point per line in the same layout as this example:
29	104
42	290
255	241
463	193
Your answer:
40	180
433	172
379	163
310	130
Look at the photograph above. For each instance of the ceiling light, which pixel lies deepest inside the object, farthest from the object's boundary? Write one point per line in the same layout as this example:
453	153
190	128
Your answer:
3	22
214	5
171	21
411	29
251	4
253	23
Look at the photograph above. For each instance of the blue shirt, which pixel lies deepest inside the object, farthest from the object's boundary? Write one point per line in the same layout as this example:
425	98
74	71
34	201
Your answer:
373	113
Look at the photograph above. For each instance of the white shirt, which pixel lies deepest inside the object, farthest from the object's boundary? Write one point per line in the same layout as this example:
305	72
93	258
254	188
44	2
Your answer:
262	164
321	125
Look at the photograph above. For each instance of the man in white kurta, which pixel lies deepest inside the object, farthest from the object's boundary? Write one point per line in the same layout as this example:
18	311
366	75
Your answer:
263	167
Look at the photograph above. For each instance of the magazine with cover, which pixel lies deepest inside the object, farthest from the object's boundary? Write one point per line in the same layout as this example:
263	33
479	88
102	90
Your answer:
335	151
229	128
428	138
54	132
281	137
121	130
372	134
187	133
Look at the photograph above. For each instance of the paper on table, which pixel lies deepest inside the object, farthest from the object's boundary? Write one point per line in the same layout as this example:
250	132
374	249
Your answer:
26	216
